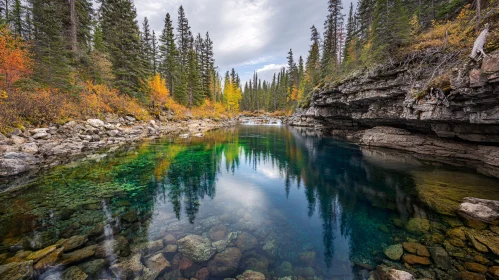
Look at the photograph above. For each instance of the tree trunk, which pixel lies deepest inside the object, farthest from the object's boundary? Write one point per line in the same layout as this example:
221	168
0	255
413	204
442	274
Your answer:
477	51
72	9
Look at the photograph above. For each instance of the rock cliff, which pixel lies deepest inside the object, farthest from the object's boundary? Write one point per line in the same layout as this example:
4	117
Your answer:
437	104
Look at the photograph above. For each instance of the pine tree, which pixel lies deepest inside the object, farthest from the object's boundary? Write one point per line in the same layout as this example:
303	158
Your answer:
154	54
208	67
350	33
147	48
313	61
50	47
332	26
184	39
168	55
17	18
121	36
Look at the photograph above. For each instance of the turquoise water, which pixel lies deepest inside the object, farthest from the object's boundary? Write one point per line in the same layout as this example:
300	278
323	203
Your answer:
310	206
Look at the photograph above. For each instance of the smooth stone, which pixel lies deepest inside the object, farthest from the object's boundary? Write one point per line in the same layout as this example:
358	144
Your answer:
95	123
170	239
475	267
466	275
394	252
17	271
415	260
251	275
225	264
30	148
480	209
385	273
196	248
416	248
217	233
308	257
494	270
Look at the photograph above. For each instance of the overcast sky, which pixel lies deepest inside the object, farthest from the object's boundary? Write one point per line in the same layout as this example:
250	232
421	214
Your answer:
248	35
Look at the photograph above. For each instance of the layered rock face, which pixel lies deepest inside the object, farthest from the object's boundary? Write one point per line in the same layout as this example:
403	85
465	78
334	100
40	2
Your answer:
435	101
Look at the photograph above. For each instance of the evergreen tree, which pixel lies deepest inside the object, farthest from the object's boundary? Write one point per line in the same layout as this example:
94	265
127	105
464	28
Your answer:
147	48
184	39
332	33
350	33
168	55
50	47
121	36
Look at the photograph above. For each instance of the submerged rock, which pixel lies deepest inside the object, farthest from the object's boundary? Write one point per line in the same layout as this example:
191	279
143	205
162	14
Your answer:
93	267
245	241
415	260
416	248
128	268
251	275
49	260
17	271
74	273
196	248
480	209
36	256
440	257
157	263
386	273
418	225
225	264
394	252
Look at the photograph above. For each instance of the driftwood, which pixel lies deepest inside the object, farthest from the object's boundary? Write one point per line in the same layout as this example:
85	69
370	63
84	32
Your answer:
477	53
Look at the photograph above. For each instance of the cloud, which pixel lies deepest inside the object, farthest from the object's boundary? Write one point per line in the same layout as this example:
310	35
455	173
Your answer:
247	34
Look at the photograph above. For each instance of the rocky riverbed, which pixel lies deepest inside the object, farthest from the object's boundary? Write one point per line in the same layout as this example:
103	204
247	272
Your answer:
32	149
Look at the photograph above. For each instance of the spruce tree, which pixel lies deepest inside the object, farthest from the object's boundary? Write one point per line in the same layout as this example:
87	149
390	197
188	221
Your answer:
121	36
147	48
168	55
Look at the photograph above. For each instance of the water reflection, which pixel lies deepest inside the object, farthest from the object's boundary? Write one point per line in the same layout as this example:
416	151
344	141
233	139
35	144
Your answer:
320	205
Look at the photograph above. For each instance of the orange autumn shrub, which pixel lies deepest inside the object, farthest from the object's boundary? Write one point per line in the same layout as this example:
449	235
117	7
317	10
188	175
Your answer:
97	100
158	93
209	109
15	59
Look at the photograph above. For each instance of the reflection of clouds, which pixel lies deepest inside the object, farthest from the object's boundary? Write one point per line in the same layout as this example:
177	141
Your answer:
231	188
269	172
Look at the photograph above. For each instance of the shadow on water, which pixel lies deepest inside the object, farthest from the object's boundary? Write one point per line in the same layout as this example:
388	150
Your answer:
316	206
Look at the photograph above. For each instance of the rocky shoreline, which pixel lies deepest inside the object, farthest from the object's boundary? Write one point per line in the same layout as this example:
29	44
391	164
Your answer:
40	148
448	111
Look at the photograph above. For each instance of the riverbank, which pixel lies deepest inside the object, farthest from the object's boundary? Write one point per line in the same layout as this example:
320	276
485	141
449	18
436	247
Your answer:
39	148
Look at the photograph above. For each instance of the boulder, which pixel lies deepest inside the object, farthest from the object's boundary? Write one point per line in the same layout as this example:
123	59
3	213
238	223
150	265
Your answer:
251	275
10	167
196	248
95	123
170	239
148	248
386	273
218	232
490	64
17	271
225	264
394	252
494	270
480	209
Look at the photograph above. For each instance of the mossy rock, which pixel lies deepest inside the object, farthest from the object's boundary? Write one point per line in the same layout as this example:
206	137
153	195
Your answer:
418	225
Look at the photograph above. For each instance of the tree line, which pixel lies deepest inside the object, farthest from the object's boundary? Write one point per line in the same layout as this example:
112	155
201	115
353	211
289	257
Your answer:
372	33
72	42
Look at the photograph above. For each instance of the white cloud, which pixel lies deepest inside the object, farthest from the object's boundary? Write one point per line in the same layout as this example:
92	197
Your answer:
271	67
256	61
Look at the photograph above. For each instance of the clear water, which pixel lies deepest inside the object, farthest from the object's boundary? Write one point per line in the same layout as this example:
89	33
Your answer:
317	207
